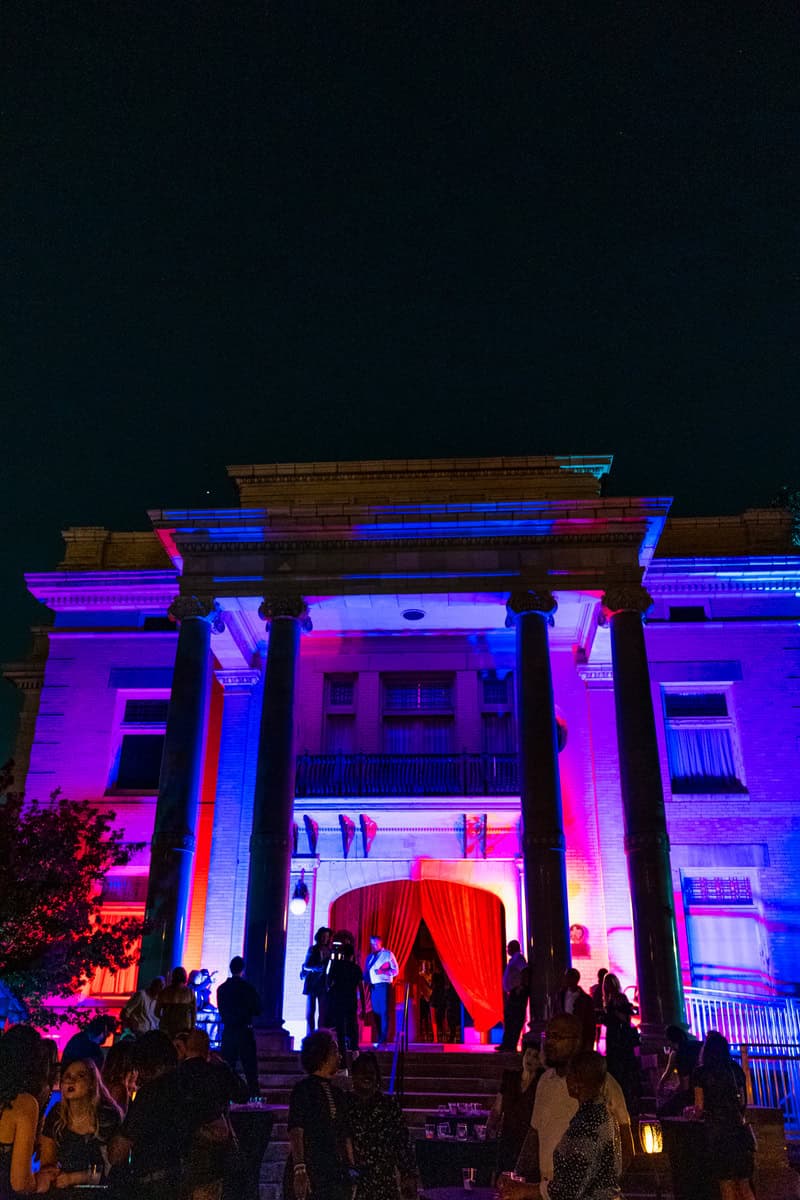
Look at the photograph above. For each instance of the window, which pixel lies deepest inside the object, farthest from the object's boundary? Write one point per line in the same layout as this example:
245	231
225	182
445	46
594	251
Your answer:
340	691
408	693
496	689
725	932
140	762
687	612
340	734
145	712
701	743
418	714
498	733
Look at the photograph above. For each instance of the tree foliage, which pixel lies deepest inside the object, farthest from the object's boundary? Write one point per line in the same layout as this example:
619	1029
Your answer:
53	936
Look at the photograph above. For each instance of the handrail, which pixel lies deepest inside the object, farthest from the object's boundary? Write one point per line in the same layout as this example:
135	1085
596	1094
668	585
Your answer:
397	1077
461	774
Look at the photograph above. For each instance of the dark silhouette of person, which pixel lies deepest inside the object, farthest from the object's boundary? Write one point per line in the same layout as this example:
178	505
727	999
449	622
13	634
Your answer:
239	1004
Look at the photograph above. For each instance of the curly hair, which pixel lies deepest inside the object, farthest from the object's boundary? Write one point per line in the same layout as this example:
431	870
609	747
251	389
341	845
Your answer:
314	1050
22	1064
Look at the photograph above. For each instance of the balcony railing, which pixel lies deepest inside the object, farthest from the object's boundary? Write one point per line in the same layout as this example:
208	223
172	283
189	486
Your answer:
407	775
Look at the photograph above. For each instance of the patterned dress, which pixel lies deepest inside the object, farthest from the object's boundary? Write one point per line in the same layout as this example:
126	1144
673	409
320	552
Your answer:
587	1162
381	1146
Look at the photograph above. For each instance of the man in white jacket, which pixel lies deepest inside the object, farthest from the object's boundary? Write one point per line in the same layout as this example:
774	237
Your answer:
381	970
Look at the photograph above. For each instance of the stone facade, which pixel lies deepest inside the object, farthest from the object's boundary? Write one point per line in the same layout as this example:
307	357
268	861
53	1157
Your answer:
368	547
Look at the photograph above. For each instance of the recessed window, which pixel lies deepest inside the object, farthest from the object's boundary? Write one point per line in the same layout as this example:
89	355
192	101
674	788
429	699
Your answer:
496	690
341	691
702	748
140	762
687	612
145	712
418	694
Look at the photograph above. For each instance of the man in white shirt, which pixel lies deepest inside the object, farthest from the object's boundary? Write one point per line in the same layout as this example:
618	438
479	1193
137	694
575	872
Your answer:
554	1108
381	969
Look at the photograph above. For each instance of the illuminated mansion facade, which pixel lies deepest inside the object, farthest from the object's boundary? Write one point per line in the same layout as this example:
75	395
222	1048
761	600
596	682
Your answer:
474	698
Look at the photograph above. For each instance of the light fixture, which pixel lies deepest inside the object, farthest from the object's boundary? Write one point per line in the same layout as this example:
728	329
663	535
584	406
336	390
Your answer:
650	1136
413	614
299	901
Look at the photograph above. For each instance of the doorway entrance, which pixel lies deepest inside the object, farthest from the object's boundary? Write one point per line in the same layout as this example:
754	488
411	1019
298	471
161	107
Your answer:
463	927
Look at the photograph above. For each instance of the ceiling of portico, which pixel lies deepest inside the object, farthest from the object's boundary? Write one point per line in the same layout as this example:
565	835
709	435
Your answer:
368	615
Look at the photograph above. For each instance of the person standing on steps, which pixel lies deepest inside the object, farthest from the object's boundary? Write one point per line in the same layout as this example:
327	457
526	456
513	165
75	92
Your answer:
239	1003
314	976
515	997
381	970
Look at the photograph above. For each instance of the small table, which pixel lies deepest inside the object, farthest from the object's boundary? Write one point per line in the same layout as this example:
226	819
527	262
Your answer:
440	1162
252	1124
457	1193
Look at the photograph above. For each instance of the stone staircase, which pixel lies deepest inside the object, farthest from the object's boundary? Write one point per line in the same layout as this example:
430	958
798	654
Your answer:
433	1077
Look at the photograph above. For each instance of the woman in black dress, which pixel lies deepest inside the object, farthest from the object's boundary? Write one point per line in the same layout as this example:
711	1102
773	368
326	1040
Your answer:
78	1129
381	1142
622	1040
719	1094
320	1148
510	1118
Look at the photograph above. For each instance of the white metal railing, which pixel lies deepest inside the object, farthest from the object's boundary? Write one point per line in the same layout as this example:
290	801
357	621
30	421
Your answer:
765	1034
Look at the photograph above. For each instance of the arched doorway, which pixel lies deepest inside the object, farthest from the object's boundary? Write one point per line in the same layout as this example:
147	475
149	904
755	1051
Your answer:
465	924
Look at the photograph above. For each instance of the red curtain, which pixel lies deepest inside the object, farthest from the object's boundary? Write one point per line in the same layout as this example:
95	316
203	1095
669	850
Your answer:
389	909
465	924
466	927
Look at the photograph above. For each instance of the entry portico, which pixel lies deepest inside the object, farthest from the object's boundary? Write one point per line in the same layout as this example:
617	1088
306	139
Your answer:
520	559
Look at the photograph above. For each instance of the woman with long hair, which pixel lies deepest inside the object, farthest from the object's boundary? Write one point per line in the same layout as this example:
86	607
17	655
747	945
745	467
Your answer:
22	1081
176	1006
621	1041
719	1095
119	1073
78	1129
510	1117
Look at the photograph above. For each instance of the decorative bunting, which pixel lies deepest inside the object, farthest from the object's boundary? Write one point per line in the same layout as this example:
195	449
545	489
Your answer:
368	831
312	833
348	829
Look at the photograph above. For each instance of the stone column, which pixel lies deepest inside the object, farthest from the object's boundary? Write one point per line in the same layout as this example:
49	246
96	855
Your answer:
273	806
222	934
173	845
645	823
543	845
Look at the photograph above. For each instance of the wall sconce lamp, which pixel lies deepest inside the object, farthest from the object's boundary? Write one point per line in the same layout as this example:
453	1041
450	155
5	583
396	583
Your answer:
299	901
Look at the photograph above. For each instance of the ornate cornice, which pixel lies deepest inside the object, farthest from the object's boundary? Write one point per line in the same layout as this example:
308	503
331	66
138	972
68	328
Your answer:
239	680
724	576
65	590
358	545
273	608
601	675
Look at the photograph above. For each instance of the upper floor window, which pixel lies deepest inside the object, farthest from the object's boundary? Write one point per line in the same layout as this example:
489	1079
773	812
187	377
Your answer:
495	690
702	749
418	693
340	691
136	765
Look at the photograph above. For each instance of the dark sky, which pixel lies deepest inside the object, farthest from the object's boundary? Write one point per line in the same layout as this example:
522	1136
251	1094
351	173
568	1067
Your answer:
236	233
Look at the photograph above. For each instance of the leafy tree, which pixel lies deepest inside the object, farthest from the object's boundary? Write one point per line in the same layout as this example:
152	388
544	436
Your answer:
788	497
53	937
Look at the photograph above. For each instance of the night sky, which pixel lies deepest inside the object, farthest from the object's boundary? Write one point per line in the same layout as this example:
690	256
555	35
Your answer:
239	233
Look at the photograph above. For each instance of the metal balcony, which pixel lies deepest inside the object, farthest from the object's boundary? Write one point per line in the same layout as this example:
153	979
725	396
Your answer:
406	775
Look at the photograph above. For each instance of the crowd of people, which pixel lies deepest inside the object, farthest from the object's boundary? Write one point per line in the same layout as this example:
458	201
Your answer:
565	1124
149	1116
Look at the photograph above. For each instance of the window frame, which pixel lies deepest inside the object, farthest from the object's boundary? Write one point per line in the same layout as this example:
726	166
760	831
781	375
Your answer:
708	723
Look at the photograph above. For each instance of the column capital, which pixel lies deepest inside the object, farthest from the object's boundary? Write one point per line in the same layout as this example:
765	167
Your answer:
294	606
206	608
539	600
625	597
